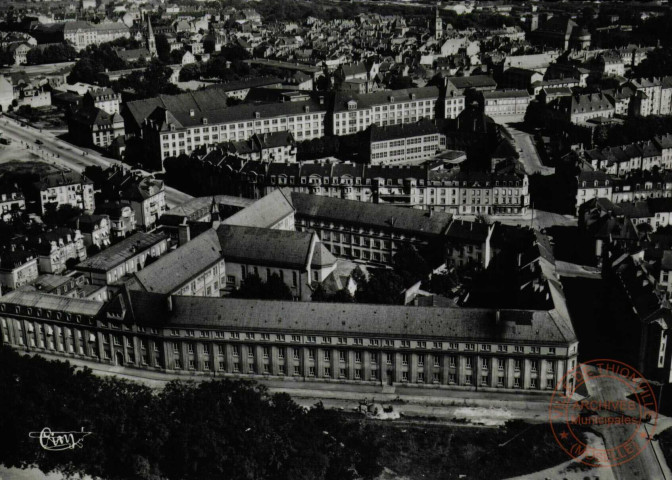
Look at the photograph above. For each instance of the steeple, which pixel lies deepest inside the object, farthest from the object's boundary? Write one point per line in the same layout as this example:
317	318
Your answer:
214	210
151	41
438	25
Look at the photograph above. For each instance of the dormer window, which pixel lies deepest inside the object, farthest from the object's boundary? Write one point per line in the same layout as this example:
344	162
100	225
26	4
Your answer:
352	105
391	98
257	115
205	121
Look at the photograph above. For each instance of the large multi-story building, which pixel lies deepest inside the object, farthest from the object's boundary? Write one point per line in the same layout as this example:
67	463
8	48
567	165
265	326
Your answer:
417	186
501	350
581	108
103	98
54	248
80	34
623	159
146	195
354	113
506	103
405	143
373	233
653	96
93	127
174	130
65	188
18	267
219	260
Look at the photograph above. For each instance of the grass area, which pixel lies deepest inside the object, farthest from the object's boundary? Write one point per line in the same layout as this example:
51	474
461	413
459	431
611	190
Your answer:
443	453
19	167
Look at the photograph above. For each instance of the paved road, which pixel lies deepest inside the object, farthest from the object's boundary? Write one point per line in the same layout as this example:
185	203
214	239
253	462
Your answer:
649	464
566	269
65	154
32	70
529	156
477	408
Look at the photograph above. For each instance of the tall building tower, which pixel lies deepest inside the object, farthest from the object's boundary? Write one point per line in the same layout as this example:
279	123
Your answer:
151	41
438	26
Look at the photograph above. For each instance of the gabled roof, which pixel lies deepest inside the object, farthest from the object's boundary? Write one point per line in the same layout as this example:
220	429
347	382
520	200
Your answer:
474	324
370	215
265	212
57	303
264	246
173	270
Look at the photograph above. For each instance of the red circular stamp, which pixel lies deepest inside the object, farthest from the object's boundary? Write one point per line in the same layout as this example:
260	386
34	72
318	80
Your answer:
620	407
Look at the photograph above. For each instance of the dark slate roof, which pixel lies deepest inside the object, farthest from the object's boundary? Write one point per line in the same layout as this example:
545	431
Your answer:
174	269
506	94
468	231
474	324
476	81
392	132
95	116
57	179
212	98
57	303
365	100
264	246
120	252
388	217
183	118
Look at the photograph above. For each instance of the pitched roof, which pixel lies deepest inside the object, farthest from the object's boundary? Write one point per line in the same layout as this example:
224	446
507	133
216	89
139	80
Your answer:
174	269
57	303
474	324
365	100
475	81
264	246
265	212
422	127
371	215
121	252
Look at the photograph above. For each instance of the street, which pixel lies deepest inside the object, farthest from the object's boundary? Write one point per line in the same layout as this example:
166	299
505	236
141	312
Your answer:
464	407
529	156
649	464
57	151
34	70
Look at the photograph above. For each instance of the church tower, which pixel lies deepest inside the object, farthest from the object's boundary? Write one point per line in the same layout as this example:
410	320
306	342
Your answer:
151	41
438	26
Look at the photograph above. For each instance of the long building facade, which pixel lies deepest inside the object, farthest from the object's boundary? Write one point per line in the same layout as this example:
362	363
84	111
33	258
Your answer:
416	186
445	348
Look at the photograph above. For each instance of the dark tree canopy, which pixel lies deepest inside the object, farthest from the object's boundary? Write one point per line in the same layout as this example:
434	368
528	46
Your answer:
216	429
254	287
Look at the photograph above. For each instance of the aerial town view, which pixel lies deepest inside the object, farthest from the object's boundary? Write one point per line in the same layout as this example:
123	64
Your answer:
335	240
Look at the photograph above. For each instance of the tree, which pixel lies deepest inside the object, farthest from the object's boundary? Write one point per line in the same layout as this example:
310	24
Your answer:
225	428
6	57
320	294
190	72
273	289
60	215
383	286
60	52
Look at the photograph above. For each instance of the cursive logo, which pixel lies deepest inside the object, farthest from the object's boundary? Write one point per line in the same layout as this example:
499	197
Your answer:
59	441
